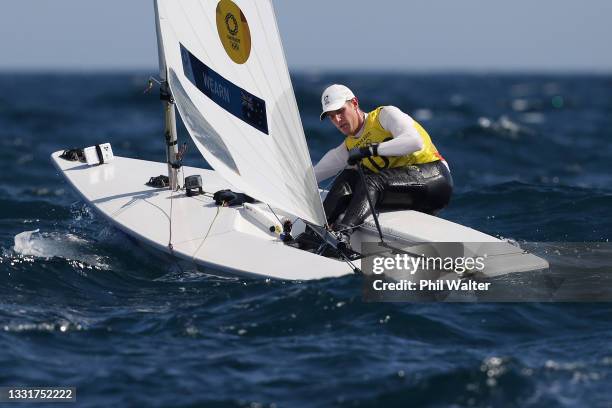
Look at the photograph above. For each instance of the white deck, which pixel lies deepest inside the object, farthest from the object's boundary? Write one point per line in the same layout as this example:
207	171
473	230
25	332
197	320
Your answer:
228	239
117	190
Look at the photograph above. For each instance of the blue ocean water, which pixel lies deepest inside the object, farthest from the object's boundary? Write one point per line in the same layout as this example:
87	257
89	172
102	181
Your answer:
83	305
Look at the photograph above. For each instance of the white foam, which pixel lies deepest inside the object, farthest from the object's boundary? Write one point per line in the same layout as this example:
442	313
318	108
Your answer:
48	245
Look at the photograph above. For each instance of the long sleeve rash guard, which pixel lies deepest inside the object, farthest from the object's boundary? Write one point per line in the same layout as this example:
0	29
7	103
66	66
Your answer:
406	140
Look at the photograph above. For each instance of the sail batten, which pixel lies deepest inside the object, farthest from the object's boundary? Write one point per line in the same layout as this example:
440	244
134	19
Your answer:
227	71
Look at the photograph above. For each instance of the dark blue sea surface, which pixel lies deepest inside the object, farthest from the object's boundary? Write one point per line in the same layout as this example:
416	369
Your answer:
83	305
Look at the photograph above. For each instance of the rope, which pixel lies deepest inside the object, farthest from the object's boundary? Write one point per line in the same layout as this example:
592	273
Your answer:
344	257
276	216
207	232
350	228
367	191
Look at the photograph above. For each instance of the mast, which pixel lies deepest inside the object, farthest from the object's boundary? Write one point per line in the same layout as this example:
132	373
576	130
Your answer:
170	134
165	94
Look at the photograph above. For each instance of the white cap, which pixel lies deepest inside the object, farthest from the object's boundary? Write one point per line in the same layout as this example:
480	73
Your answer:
334	97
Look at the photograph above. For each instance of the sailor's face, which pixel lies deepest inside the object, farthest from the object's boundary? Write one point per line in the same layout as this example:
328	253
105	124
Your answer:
346	119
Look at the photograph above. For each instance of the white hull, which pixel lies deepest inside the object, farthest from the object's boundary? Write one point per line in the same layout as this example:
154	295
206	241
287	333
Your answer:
237	240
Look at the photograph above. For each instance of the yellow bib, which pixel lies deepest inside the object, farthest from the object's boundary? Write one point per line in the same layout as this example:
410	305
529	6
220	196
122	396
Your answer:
373	133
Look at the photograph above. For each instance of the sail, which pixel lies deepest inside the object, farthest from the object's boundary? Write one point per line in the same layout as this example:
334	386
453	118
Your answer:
227	72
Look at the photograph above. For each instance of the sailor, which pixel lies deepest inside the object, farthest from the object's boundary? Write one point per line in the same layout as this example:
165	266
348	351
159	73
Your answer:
402	167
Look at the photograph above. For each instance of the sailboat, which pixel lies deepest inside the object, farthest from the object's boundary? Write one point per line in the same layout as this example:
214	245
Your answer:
223	67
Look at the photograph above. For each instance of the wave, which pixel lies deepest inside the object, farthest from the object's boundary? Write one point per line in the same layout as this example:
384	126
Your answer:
67	246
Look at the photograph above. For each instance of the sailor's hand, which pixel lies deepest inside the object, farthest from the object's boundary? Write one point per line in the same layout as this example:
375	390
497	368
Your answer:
358	153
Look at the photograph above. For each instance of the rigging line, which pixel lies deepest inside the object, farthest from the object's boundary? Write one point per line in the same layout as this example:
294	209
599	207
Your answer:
279	221
350	263
342	255
350	228
367	191
207	233
132	202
